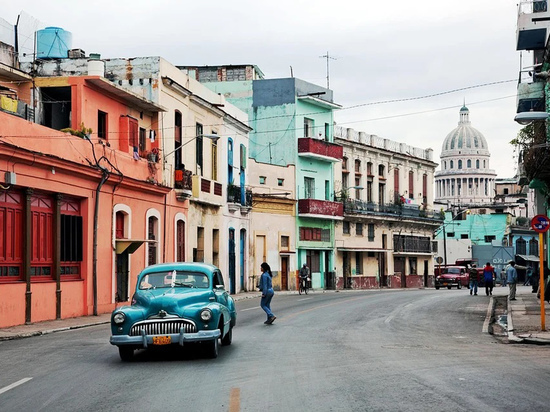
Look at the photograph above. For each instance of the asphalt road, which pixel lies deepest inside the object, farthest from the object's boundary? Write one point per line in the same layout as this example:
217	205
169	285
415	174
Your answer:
405	350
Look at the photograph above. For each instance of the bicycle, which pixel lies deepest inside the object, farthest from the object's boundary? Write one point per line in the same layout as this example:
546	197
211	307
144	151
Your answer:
303	286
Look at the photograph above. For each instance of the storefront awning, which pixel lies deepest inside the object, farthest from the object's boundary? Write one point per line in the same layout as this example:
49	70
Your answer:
529	258
130	245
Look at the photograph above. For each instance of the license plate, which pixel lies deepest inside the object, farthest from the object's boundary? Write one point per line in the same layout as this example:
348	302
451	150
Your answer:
444	283
162	340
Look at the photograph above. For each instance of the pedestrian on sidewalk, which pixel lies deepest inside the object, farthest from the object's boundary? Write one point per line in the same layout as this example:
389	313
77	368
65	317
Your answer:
503	276
474	279
266	287
488	277
512	279
528	276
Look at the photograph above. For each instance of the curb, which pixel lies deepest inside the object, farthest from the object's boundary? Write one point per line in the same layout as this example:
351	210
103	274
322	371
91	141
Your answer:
512	338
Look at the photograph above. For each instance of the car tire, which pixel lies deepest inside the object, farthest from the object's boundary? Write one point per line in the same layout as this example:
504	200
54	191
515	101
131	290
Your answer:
228	338
459	286
449	287
126	353
212	348
437	287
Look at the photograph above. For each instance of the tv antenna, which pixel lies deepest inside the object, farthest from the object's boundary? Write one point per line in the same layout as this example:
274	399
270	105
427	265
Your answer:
328	57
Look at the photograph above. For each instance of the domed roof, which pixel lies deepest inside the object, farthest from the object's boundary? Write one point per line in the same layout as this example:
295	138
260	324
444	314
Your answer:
464	138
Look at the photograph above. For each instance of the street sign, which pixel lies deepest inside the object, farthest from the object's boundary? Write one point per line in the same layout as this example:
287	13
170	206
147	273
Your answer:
439	260
540	223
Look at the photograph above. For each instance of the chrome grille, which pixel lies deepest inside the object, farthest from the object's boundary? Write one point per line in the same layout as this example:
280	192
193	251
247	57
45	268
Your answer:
163	327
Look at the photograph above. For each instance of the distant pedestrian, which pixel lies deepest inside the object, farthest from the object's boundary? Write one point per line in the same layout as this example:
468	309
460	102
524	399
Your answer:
503	277
512	279
489	278
528	276
474	279
266	287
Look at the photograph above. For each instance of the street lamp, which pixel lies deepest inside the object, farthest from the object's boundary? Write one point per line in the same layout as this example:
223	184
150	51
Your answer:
213	137
525	118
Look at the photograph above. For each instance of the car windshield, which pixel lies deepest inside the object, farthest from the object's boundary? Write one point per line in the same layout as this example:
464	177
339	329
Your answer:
174	279
454	271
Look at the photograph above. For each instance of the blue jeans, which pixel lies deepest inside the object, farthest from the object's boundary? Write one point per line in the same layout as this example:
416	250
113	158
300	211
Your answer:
265	303
473	286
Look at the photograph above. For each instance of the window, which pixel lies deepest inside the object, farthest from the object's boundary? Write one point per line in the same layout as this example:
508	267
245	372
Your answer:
359	229
133	134
180	241
345	227
178	163
534	247
450	234
327	190
327	132
357	166
285	242
521	246
71	245
411	185
313	234
101	124
370	235
489	238
208	75
214	160
505	191
425	188
477	164
381	170
358	263
142	140
469	164
460	164
262	180
345	163
235	74
198	252
309	188
41	235
230	161
369	192
216	245
412	266
198	148
11	241
369	169
152	234
464	236
381	194
452	164
314	259
280	182
308	127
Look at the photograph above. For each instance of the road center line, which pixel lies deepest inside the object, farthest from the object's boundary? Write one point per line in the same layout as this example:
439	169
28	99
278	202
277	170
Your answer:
235	400
299	300
14	385
244	310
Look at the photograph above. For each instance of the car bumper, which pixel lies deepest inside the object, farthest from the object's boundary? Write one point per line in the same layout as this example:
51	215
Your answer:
177	338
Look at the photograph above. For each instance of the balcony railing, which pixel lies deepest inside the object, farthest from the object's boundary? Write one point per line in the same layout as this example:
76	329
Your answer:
235	195
320	149
183	179
320	208
353	206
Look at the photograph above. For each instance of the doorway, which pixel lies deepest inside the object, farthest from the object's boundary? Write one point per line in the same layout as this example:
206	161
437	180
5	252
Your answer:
122	277
284	273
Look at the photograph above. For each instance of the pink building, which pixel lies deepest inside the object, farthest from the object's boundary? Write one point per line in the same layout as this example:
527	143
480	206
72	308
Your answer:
81	210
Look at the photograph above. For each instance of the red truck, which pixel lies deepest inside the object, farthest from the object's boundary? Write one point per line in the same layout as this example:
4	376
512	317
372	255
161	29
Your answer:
456	275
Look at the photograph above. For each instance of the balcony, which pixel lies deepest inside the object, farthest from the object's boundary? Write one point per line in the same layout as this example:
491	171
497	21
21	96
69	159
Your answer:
353	206
239	198
533	25
323	209
530	97
206	192
320	149
183	183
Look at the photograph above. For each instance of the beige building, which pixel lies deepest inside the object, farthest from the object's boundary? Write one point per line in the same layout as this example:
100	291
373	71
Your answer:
386	236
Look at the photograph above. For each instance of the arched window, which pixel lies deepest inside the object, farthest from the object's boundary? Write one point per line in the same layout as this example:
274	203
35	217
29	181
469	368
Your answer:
452	164
444	165
534	247
484	164
469	164
180	241
477	164
152	234
460	164
357	166
521	246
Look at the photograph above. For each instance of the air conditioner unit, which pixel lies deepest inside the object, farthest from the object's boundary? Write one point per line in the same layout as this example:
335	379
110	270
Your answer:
10	178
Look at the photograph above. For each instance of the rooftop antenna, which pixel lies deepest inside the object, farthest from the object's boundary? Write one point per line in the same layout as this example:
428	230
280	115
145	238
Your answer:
328	57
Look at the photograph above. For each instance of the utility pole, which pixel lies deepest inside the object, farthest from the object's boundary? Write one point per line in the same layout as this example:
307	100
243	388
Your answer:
328	57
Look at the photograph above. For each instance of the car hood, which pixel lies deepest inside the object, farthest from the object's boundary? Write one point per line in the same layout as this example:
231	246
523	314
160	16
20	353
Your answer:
172	300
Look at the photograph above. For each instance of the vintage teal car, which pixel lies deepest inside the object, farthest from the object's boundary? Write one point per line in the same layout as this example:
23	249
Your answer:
175	304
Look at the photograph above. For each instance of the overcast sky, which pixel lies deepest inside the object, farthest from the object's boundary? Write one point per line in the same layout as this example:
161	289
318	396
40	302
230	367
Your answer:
385	50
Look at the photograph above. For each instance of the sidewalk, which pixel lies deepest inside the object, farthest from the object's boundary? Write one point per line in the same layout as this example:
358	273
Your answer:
524	318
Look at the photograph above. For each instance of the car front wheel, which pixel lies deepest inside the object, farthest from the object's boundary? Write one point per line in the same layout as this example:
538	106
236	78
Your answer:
228	338
449	287
459	286
126	353
437	287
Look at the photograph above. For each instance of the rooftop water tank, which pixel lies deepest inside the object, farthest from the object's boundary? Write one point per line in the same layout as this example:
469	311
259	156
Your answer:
53	43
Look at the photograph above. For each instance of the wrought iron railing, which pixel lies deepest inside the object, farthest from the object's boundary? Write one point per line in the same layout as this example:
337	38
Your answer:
355	206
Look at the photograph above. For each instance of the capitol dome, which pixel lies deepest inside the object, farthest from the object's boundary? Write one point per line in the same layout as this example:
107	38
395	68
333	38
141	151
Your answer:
464	138
465	177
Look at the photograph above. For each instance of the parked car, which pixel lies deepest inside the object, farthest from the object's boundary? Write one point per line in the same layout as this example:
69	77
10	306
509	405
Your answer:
452	276
175	304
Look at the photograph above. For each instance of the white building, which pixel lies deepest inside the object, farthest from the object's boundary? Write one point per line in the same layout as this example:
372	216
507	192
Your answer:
465	178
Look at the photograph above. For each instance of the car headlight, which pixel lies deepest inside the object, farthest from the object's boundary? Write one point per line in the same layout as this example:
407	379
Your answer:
206	314
119	318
